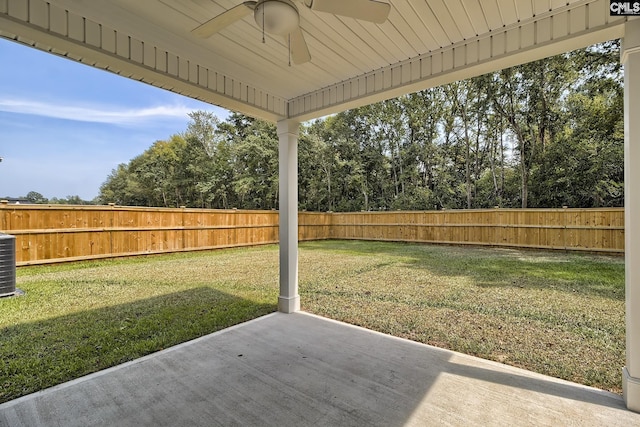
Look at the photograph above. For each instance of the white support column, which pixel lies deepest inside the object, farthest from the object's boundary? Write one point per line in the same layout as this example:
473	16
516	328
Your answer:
631	61
289	300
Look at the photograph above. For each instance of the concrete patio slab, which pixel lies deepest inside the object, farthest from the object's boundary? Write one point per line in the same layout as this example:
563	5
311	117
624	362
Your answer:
302	370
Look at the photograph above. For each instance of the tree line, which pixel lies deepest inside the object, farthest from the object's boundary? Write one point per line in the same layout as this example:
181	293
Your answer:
544	134
37	198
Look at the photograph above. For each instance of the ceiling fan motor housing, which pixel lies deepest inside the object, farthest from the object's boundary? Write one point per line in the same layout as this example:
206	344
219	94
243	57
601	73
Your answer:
278	17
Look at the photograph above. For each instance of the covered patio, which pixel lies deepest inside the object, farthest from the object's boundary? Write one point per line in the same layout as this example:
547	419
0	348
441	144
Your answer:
338	63
301	369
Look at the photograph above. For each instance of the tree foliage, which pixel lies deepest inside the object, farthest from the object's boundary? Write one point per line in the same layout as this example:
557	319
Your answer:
37	198
543	134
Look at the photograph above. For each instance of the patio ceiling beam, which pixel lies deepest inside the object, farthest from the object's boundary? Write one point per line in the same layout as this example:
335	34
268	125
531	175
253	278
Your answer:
631	62
153	59
571	27
49	27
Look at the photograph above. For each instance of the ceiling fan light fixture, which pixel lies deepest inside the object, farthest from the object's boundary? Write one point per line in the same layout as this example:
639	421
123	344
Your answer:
281	18
278	17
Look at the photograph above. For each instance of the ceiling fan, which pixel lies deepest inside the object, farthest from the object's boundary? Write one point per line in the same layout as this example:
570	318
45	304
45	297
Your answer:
281	18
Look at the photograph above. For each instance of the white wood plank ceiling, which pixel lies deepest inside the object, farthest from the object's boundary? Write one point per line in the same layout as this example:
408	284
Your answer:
423	43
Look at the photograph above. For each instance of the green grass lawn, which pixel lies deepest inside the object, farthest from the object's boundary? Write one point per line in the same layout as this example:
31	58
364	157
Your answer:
82	317
555	313
550	312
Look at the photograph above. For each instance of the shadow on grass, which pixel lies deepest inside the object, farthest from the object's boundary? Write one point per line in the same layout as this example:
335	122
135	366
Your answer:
41	354
601	275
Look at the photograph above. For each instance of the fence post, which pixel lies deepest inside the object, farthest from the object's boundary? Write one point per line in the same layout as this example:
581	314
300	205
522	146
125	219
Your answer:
565	212
183	230
111	228
3	205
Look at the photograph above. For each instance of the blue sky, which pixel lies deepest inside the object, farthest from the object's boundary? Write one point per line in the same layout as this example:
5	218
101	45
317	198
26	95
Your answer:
64	126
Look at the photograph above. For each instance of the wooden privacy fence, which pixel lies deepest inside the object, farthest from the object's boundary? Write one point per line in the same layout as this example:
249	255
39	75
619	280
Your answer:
594	230
66	233
47	234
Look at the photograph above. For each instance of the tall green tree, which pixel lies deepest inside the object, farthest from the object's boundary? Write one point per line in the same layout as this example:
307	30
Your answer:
543	134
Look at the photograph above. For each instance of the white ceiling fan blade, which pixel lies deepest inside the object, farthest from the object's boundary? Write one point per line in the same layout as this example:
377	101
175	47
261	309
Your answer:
299	50
366	10
225	19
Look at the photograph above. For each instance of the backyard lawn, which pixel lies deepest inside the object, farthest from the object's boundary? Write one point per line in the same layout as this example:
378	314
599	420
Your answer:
555	313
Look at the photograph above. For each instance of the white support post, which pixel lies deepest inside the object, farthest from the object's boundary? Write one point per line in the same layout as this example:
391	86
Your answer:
631	62
289	300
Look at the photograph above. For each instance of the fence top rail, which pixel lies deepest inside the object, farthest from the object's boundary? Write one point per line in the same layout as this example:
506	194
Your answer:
6	206
109	208
484	210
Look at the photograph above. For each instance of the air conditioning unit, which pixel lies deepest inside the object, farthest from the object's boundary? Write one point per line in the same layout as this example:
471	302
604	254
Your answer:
7	265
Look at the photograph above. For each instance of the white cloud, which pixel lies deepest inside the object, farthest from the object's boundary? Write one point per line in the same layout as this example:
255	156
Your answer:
95	113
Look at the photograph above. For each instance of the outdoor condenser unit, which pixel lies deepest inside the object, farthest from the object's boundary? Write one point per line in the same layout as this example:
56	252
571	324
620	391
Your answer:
7	265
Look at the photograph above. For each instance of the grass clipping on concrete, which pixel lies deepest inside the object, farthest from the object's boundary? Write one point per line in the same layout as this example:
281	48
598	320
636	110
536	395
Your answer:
555	313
